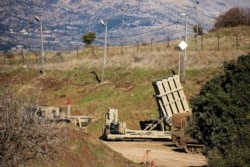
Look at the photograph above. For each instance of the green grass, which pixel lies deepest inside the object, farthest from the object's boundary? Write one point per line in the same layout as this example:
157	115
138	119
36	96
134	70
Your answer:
100	152
196	73
95	96
128	81
65	90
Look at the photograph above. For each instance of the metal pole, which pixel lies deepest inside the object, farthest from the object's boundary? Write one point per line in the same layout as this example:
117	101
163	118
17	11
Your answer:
185	51
27	45
42	54
196	2
68	109
41	27
179	65
105	50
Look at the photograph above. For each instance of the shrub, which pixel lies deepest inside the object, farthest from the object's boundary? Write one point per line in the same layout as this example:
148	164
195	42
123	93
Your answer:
24	138
222	115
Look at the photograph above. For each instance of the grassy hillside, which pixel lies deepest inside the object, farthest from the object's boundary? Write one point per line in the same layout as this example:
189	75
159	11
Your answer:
127	86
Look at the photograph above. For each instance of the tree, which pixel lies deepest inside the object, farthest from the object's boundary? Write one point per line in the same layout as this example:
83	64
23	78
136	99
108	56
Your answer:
221	115
88	38
233	17
25	139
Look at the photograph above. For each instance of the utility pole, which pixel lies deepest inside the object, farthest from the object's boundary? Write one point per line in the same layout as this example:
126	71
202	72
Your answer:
27	45
196	3
105	24
42	53
185	51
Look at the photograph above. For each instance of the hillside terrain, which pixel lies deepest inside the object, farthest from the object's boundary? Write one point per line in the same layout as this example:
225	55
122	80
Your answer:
127	86
133	99
65	21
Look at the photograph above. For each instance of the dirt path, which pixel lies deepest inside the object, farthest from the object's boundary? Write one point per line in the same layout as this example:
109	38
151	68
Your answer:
164	154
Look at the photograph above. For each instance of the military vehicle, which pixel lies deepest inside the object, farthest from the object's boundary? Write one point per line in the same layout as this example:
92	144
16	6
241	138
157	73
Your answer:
57	114
179	135
172	103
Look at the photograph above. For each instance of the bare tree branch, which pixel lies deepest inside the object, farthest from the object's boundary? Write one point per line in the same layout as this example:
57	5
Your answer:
24	137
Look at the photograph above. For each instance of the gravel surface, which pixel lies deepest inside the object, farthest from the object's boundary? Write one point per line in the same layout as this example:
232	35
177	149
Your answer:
164	154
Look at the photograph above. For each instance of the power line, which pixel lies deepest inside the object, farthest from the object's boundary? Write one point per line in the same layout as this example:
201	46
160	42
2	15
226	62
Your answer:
133	35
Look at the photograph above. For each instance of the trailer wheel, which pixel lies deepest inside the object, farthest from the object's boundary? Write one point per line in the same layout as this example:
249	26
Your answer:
193	149
178	143
105	133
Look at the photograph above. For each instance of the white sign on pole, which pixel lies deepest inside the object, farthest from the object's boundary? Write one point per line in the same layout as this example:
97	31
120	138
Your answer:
182	45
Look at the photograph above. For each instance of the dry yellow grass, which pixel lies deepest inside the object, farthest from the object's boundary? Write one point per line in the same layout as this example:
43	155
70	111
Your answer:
210	53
